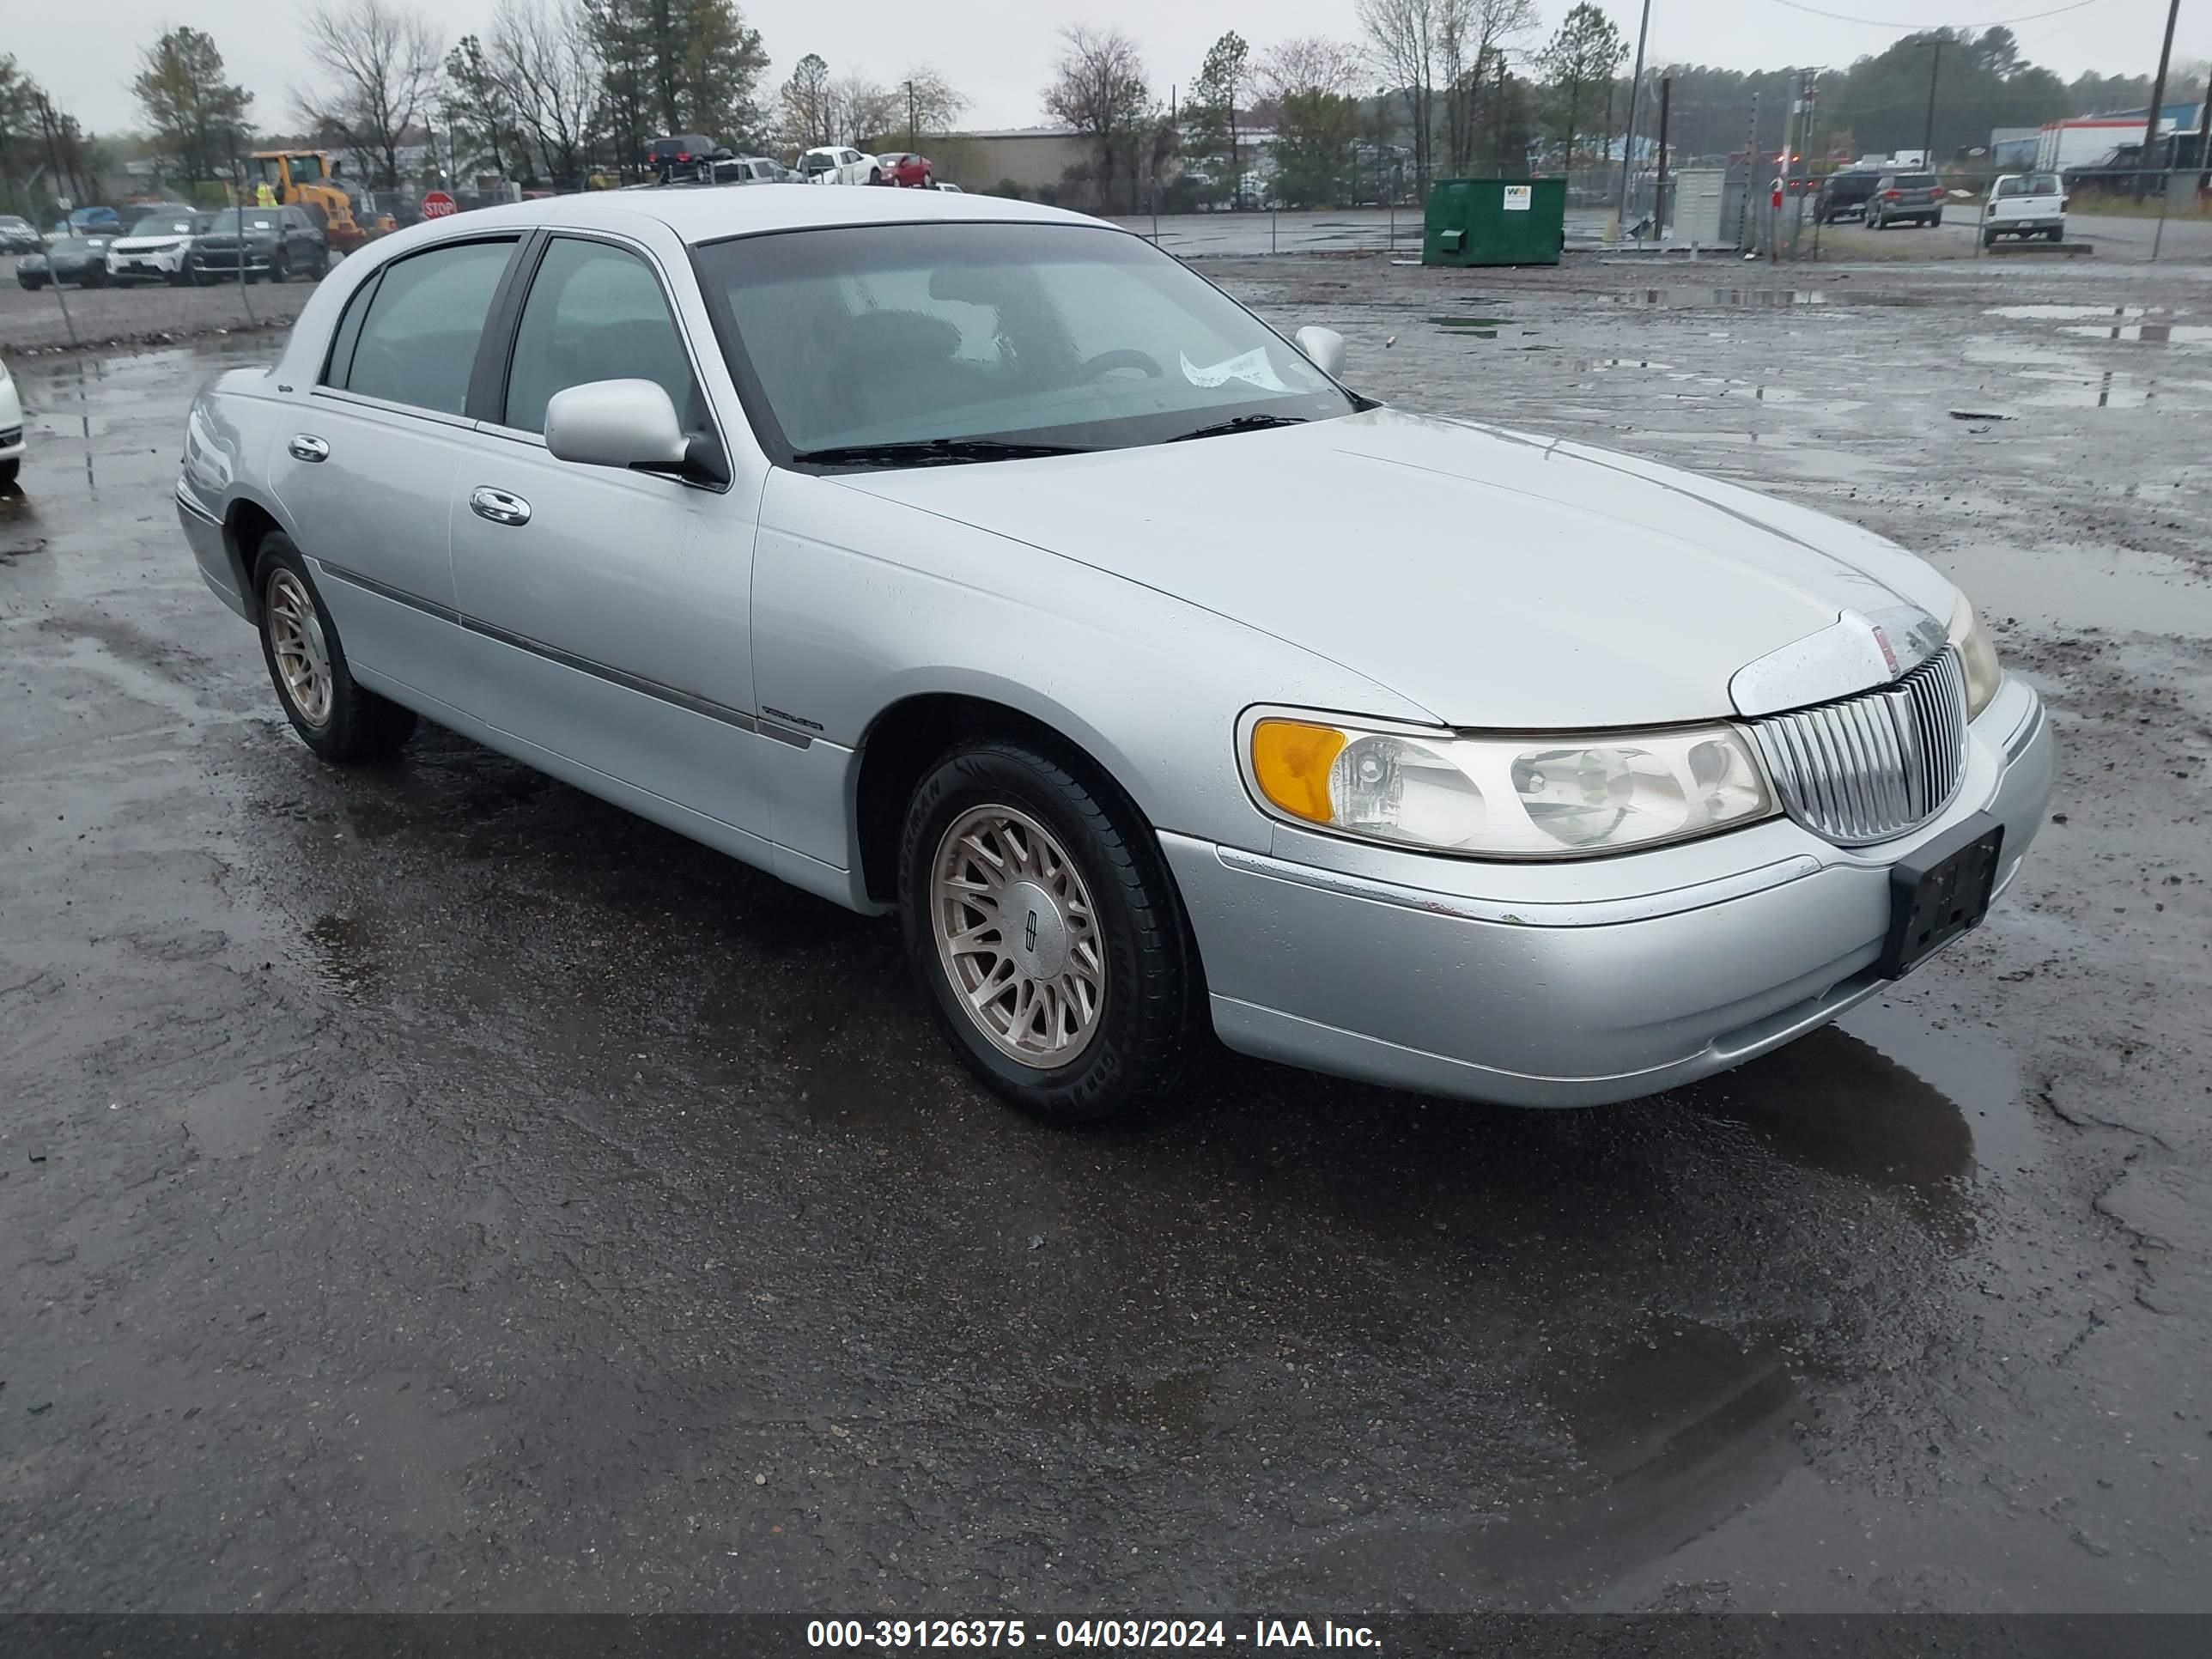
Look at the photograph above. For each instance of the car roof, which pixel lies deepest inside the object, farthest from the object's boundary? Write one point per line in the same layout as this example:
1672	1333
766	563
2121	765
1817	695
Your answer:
708	215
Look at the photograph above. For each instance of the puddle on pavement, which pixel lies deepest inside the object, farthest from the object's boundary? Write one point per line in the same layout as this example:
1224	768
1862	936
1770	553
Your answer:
2115	389
1493	323
2064	314
342	954
2071	588
1737	298
2194	335
1886	1097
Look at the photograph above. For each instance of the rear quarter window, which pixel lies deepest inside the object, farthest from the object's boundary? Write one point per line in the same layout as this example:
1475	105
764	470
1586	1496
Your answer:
410	337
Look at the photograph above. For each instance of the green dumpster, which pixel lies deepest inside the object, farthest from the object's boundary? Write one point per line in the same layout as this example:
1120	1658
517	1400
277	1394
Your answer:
1495	221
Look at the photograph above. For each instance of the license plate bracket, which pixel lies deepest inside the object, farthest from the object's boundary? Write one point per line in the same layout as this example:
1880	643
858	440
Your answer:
1941	891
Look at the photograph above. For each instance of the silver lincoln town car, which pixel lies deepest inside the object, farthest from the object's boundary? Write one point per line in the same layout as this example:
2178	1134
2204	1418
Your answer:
981	563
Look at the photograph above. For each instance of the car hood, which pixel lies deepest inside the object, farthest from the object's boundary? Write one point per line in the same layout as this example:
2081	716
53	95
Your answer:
140	244
1494	578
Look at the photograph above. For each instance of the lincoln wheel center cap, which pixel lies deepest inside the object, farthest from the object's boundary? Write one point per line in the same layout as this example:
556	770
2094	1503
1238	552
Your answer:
1035	930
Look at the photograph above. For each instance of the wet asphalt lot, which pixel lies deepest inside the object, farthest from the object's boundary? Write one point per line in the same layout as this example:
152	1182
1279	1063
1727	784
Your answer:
428	1188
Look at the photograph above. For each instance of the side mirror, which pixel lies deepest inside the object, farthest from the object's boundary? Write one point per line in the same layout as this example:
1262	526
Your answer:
1324	349
623	423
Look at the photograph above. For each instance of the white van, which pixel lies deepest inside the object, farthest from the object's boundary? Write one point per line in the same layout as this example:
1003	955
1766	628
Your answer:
2024	204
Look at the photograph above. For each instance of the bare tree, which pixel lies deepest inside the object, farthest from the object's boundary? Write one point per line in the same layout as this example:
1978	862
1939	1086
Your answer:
1473	37
1098	88
543	56
928	102
1311	62
1405	39
380	65
862	109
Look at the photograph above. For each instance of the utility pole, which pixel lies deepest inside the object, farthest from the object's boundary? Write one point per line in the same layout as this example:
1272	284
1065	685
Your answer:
1928	132
2157	93
913	121
1750	167
1659	191
1628	137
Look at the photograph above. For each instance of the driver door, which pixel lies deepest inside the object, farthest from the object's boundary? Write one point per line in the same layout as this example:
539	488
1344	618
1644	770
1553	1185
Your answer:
608	612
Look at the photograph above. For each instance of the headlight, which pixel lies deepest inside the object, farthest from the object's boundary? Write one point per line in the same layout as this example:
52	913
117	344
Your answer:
1977	654
1530	797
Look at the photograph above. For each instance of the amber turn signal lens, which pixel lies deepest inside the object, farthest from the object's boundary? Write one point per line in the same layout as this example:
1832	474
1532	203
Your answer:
1290	762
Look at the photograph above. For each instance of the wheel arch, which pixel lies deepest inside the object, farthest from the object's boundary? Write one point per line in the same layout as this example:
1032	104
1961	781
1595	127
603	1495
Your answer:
246	523
909	734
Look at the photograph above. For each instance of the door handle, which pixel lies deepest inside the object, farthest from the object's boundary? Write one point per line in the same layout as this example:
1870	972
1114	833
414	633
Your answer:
498	505
305	446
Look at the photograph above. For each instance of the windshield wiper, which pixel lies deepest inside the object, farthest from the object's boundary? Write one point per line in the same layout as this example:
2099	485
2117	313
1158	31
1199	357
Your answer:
934	452
1240	423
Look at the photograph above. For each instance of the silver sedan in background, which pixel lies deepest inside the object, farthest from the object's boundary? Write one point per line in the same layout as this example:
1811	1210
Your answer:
978	563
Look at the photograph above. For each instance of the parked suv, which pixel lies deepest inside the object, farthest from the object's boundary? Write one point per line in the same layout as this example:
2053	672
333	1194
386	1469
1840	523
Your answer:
278	243
1845	195
158	245
18	236
1905	198
684	155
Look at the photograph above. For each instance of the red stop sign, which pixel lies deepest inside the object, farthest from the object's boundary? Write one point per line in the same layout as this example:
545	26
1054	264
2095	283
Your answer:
437	204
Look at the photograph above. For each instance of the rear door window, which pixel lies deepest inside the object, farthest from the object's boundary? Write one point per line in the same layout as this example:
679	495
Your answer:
596	312
416	342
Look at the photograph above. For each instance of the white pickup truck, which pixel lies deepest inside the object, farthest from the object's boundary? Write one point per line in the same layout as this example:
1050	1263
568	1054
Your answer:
2024	204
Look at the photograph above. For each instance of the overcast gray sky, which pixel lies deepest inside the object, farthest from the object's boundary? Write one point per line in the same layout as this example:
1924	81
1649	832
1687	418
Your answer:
1000	52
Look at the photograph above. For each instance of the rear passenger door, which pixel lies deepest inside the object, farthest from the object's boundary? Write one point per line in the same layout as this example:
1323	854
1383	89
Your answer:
608	612
367	472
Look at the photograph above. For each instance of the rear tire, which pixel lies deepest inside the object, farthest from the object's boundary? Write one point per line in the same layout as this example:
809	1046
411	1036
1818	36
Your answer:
335	716
1103	970
2056	234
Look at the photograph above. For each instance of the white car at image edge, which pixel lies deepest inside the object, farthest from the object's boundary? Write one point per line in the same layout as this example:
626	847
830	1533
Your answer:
11	428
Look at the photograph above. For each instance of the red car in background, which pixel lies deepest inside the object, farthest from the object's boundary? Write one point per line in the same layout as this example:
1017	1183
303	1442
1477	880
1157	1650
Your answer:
905	167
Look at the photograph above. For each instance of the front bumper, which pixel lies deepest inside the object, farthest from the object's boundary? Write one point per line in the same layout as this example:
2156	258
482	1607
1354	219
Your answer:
223	262
167	264
1623	980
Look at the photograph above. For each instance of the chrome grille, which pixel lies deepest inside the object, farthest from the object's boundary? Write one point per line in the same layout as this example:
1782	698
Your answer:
1866	768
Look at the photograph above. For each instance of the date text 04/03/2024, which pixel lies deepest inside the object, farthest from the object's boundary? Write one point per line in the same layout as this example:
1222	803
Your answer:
897	1634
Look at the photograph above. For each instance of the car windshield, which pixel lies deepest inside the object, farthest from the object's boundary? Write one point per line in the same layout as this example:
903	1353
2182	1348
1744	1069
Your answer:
2031	184
977	338
1915	181
226	222
163	225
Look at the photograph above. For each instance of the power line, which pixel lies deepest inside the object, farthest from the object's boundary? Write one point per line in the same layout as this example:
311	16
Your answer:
1884	23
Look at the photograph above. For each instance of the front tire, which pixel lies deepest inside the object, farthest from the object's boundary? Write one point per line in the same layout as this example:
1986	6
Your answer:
8	469
280	269
1039	916
339	718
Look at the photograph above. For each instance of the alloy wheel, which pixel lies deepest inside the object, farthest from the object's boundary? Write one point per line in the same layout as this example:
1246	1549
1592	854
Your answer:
1017	936
295	638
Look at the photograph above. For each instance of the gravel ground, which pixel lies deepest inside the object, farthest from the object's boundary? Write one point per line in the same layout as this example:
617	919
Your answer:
139	314
428	1188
